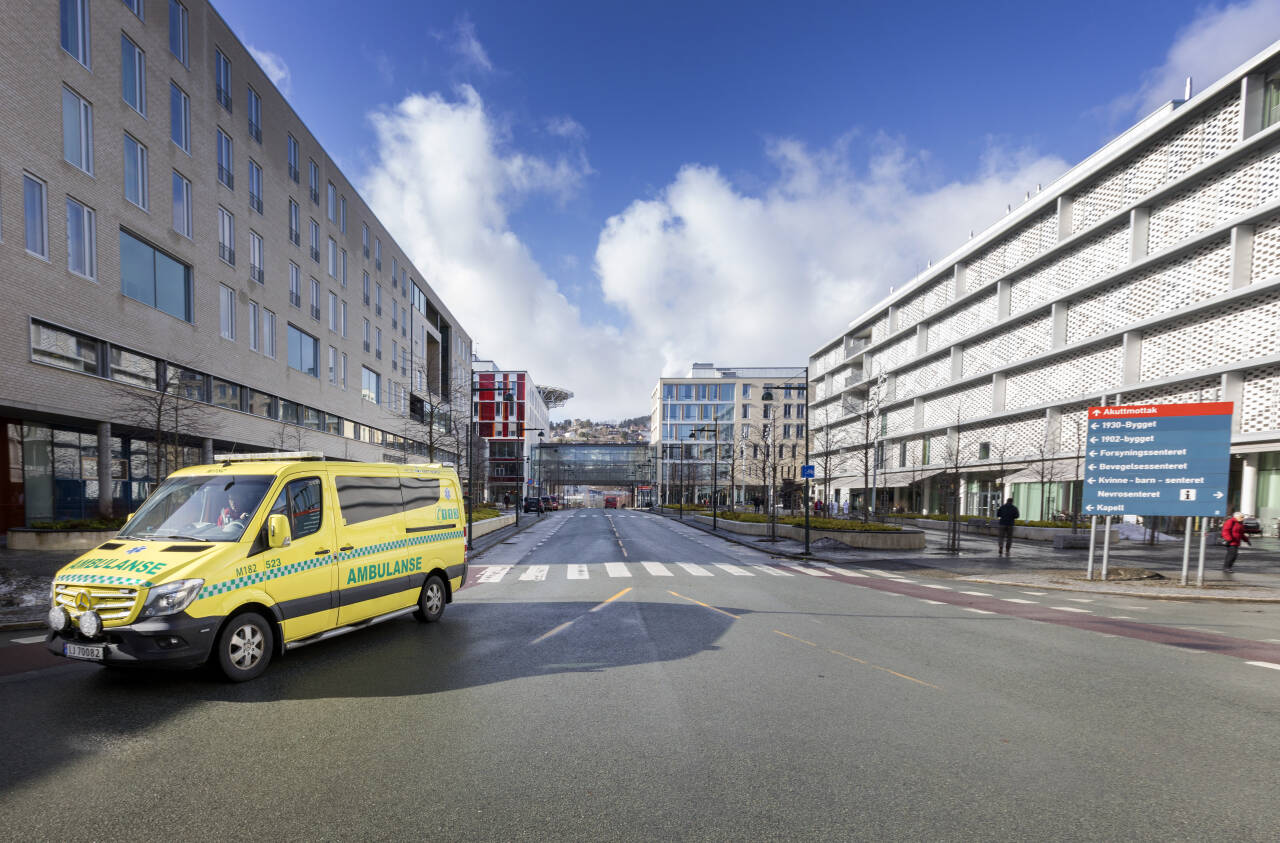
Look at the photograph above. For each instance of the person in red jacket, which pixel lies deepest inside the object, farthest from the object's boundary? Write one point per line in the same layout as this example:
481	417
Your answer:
1232	535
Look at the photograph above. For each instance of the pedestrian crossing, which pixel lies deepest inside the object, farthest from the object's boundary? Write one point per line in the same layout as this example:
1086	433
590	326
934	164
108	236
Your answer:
485	574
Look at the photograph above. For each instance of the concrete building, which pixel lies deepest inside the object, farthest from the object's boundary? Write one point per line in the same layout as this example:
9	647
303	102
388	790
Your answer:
1148	273
512	416
185	270
761	443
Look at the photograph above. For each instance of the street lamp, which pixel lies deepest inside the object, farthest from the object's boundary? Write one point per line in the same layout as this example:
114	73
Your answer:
767	395
715	469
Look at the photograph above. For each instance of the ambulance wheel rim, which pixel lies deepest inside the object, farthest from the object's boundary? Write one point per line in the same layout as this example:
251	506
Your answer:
246	646
435	598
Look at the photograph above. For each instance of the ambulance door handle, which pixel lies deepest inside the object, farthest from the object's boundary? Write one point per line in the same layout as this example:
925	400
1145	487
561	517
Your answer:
322	552
345	548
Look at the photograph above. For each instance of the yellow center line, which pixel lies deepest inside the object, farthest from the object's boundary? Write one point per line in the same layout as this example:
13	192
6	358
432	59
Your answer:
860	661
793	638
704	605
610	600
543	637
846	656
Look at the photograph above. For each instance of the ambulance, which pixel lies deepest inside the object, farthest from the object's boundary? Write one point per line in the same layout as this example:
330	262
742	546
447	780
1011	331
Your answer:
238	562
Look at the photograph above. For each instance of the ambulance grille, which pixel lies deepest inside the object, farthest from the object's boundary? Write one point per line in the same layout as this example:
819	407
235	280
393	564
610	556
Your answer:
114	604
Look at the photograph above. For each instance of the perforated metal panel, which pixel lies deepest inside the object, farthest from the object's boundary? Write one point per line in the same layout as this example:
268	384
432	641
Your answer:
1081	373
900	419
937	295
960	323
1023	244
1202	274
1098	256
891	356
1173	155
1241	330
1221	197
1189	392
1026	339
923	378
1259	408
972	402
1266	251
1011	439
824	362
880	328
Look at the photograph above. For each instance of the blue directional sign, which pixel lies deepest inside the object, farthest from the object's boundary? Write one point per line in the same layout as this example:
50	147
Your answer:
1158	459
807	472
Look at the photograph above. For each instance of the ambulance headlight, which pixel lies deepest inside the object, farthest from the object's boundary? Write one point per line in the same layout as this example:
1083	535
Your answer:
91	623
59	619
171	598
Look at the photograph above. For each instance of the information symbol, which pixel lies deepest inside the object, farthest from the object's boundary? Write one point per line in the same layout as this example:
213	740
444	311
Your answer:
1186	494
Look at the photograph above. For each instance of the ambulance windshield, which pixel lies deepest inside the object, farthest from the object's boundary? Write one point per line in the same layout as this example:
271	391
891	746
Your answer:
199	508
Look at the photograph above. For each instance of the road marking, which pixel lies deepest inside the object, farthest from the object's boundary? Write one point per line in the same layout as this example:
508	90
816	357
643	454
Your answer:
578	572
657	569
932	585
977	611
733	569
544	636
976	593
849	572
931	602
34	639
704	605
696	570
1080	599
535	573
794	638
1019	600
885	669
802	569
1265	664
1272	640
1036	593
610	600
616	569
769	569
494	573
623	549
1071	609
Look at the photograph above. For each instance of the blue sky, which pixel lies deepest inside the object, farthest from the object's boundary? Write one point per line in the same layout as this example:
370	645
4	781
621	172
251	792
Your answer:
637	170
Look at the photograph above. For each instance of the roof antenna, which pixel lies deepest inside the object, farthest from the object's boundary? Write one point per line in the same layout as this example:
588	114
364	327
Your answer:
1186	95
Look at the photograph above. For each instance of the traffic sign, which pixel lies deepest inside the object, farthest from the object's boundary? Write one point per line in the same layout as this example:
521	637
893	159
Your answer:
1158	459
807	472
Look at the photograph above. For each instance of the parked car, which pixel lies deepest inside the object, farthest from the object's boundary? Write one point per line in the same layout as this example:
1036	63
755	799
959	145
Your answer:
1252	526
610	503
549	504
533	505
555	503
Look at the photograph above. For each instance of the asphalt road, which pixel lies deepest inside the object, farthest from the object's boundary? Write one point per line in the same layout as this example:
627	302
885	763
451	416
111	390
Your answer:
621	676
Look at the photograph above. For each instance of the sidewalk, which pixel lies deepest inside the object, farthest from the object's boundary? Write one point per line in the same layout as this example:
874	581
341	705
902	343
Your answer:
1038	565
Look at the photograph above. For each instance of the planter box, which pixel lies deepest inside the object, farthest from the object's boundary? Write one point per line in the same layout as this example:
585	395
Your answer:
25	538
1038	534
866	539
488	525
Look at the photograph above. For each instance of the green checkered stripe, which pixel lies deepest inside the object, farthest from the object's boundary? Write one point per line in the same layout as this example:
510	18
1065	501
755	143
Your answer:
103	579
256	577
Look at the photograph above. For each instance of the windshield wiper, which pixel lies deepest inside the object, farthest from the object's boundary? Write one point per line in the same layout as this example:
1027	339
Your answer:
175	536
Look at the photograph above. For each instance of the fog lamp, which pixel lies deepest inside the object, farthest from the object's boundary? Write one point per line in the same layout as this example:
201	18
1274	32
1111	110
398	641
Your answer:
59	619
91	623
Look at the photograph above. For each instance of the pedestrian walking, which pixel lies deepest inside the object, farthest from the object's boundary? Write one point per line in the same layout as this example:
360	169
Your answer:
506	501
1232	535
1006	514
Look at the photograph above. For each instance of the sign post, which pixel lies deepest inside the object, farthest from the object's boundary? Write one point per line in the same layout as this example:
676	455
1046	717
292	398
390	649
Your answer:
1158	459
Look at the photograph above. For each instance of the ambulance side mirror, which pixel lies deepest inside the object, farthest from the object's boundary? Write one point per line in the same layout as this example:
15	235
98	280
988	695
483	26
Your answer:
278	531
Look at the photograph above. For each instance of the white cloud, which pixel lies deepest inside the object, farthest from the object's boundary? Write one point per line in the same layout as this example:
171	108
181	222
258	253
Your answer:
469	47
707	271
274	66
1216	42
566	127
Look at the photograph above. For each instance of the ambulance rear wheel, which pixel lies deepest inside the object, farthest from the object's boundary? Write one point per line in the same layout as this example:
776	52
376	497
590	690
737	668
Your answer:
245	646
431	600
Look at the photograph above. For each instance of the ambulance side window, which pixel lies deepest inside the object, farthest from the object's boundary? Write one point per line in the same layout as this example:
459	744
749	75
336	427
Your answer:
306	506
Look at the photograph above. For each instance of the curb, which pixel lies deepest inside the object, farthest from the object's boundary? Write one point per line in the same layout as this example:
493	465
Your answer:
9	626
500	537
812	557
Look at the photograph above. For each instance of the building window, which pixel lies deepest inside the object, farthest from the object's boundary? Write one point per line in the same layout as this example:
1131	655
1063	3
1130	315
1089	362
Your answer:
315	241
154	278
222	78
295	285
82	245
226	173
77	130
303	352
36	210
365	285
395	354
181	204
333	258
377	300
393	270
255	186
255	114
268	333
342	321
254	341
226	235
370	385
134	6
333	311
180	118
226	312
73	19
133	75
366	336
56	347
902	455
255	257
342	266
924	451
293	159
314	182
135	173
377	254
364	239
332	203
315	299
377	343
178	44
295	224
333	365
984	450
344	370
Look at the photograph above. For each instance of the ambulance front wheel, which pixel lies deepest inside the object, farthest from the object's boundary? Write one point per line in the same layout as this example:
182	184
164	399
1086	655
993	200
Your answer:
245	646
431	601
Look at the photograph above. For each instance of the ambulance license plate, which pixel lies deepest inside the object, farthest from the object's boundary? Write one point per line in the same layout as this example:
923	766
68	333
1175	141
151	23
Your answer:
81	651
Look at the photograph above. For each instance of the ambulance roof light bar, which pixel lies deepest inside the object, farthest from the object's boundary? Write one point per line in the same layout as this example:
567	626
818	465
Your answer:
276	456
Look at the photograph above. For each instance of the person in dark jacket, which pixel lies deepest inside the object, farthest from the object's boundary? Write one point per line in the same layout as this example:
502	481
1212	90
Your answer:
1006	514
1232	535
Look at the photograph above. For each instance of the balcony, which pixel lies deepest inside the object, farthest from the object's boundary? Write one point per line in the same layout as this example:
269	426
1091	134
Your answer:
255	131
294	174
315	254
226	177
255	202
295	237
224	97
227	253
255	273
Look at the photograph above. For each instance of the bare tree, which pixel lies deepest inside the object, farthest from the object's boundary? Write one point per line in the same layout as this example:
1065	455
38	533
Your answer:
761	460
864	434
170	408
953	456
826	444
1048	470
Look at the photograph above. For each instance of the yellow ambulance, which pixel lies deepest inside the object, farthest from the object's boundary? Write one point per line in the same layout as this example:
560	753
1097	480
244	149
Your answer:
237	562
